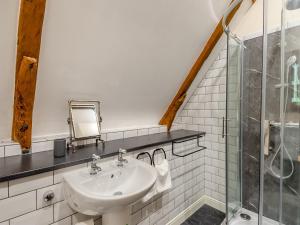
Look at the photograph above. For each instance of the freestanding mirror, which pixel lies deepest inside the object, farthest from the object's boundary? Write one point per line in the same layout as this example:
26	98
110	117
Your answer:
84	122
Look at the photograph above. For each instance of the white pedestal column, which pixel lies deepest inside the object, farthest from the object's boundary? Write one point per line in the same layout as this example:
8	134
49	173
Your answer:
120	217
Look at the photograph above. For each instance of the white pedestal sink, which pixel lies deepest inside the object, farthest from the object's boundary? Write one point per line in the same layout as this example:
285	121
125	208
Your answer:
110	192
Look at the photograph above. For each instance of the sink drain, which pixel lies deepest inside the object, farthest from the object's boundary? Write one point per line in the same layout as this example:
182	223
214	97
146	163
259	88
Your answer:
118	193
245	216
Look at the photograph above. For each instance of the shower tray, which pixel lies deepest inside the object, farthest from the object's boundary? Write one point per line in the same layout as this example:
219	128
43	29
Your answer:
237	220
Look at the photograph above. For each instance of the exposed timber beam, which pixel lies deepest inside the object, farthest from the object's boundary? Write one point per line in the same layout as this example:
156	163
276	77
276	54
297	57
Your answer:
179	98
28	49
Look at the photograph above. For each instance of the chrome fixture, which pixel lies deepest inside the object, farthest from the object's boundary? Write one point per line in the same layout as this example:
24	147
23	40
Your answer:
283	108
245	216
121	159
226	27
94	168
292	4
48	196
228	11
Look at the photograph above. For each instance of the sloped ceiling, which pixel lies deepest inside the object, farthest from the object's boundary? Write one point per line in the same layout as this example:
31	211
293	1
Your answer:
132	55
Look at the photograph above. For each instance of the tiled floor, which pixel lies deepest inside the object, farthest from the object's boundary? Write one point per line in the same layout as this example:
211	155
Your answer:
206	215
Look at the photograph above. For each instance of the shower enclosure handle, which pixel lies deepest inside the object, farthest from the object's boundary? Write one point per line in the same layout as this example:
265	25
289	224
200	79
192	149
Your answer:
224	120
223	127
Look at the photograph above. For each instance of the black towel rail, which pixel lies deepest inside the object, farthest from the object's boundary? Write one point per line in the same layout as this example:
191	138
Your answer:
185	140
156	152
145	154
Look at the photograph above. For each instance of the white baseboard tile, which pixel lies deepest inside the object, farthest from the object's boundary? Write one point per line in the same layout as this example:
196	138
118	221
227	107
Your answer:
215	203
184	215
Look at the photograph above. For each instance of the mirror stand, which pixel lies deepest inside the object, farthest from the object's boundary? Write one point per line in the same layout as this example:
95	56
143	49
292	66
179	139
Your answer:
84	123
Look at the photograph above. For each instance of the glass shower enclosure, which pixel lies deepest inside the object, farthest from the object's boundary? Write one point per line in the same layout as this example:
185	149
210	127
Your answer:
262	120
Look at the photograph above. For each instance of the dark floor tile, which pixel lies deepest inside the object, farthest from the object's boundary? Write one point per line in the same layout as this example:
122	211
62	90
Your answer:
206	215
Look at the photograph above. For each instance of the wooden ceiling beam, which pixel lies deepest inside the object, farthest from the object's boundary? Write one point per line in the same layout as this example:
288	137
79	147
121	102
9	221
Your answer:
28	49
179	98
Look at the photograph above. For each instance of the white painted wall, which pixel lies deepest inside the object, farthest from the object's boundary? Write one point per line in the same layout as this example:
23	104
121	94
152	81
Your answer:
132	55
252	23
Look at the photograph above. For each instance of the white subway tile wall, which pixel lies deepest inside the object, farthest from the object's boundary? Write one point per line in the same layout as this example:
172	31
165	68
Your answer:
187	187
11	150
27	184
42	217
130	133
40	144
17	205
3	190
22	200
115	136
204	112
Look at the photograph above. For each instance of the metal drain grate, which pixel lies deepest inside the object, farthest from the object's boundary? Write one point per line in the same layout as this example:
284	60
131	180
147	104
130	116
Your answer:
245	216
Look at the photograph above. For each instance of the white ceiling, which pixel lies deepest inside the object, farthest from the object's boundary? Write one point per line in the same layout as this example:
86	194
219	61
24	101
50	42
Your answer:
132	55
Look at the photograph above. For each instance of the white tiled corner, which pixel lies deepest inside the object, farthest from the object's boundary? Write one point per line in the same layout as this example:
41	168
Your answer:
203	112
42	216
18	205
62	210
26	184
3	190
57	189
11	150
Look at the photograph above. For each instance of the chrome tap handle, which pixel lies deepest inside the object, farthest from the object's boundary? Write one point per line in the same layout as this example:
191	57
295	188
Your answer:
94	168
121	160
96	157
122	151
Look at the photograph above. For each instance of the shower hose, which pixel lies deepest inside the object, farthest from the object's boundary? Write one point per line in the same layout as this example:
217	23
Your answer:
282	144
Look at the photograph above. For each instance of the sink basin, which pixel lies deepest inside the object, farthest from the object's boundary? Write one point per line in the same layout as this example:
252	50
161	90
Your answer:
111	190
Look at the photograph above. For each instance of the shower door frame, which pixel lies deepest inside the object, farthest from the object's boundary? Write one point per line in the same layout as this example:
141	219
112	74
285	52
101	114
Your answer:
263	111
263	107
240	76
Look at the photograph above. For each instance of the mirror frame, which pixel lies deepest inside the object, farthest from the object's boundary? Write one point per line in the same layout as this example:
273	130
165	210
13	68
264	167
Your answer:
89	104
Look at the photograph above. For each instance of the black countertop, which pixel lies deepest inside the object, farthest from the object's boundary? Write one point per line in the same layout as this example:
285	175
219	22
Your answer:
14	167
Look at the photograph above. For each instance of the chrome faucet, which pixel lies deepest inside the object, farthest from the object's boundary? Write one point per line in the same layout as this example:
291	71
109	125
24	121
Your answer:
121	159
94	168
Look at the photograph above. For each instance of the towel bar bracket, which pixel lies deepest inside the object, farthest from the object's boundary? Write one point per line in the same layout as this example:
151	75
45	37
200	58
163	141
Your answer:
185	140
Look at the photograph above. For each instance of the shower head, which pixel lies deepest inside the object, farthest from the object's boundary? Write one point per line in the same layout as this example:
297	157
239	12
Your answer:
291	60
292	4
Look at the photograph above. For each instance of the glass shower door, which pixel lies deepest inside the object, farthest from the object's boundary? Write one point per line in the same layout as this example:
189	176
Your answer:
290	195
232	129
280	157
